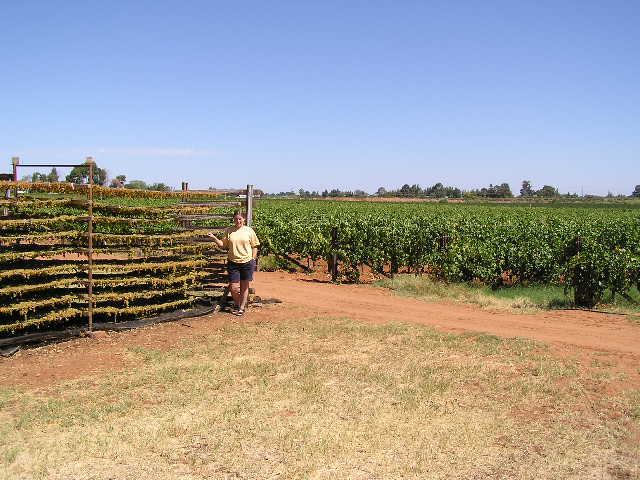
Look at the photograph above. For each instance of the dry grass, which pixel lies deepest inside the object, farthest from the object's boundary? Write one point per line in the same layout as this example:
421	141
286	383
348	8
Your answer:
433	290
327	399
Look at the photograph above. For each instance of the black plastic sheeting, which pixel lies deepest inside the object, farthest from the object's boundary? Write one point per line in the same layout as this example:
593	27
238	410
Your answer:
8	345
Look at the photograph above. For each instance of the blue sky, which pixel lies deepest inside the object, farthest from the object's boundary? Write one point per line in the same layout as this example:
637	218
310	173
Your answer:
348	94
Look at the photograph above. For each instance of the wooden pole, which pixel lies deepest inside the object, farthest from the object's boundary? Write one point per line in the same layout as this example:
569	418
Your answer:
15	161
334	257
7	192
91	164
185	187
249	205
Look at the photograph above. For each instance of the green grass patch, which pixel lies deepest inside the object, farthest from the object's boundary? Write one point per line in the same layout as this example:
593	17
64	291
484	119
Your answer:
514	299
272	263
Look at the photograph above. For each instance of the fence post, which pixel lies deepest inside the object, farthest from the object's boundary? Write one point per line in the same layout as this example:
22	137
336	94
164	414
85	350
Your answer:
394	265
249	205
334	256
185	187
15	161
91	164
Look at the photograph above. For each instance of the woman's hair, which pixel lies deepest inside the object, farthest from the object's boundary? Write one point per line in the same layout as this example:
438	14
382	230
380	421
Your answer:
239	212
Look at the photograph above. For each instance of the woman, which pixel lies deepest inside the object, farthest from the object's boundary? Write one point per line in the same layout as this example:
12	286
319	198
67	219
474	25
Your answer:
241	244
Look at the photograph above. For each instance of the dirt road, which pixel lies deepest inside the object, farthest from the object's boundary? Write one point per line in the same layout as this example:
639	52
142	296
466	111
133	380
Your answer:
587	337
594	331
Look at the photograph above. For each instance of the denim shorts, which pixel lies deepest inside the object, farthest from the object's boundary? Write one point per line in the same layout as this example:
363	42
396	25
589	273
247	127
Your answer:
240	271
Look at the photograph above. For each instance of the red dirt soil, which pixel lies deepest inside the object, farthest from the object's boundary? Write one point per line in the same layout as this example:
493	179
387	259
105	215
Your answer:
586	336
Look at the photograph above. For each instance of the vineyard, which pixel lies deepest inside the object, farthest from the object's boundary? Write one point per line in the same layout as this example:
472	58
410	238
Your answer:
148	252
591	251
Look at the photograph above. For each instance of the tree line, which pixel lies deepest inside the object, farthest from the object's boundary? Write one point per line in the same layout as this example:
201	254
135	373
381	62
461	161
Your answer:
438	190
80	175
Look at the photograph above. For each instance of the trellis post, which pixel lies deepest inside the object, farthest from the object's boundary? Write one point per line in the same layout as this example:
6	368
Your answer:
249	205
334	256
15	161
91	164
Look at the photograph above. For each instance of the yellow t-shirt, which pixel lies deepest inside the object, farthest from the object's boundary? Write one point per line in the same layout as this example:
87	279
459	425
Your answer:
239	243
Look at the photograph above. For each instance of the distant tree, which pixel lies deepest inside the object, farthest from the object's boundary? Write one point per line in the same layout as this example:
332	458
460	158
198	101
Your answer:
360	193
381	192
405	190
504	191
526	190
454	192
325	193
495	191
160	187
636	192
118	182
548	192
81	175
39	177
436	191
53	176
136	185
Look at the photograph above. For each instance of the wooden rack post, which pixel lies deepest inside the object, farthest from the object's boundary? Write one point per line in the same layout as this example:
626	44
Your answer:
249	205
15	161
90	163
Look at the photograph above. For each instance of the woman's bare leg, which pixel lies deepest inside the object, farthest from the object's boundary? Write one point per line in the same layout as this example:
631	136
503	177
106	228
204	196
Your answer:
244	293
234	288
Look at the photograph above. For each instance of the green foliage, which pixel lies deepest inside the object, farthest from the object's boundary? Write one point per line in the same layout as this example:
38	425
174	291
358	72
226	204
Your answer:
53	175
271	263
548	191
42	177
526	190
494	246
137	185
160	187
436	191
141	185
80	175
495	191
